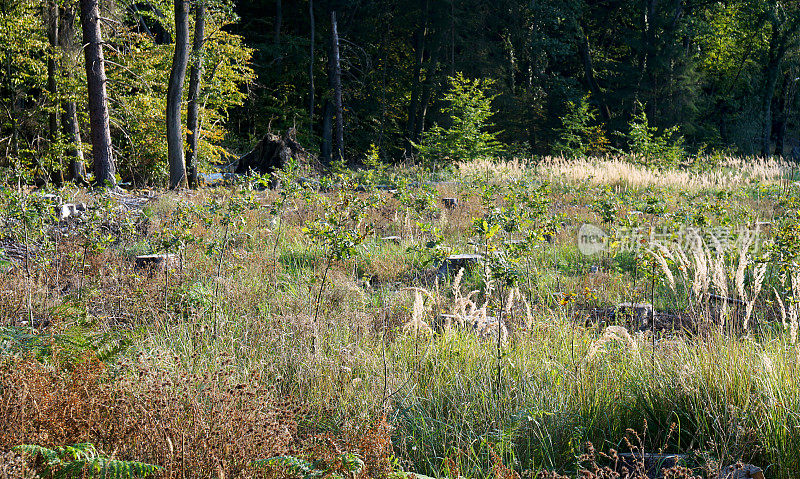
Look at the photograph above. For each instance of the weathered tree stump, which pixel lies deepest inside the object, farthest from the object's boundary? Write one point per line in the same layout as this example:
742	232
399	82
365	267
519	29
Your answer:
35	323
450	203
650	463
155	261
70	210
638	315
271	153
456	262
741	471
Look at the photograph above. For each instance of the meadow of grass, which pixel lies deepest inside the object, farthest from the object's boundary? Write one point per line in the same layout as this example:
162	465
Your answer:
287	325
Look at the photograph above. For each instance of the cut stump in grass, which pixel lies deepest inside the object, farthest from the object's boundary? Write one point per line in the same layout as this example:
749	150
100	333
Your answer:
457	261
450	203
651	464
741	471
158	261
638	315
70	210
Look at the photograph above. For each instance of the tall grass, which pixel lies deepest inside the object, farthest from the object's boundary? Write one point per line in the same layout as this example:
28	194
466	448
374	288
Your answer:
245	319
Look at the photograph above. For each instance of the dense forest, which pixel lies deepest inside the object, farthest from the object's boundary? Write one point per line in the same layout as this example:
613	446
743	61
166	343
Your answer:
133	87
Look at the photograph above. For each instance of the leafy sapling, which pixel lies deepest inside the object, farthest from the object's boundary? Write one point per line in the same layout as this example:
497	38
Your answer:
339	231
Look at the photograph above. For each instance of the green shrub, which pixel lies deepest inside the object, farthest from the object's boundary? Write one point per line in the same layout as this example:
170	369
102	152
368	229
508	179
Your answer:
664	150
469	108
579	134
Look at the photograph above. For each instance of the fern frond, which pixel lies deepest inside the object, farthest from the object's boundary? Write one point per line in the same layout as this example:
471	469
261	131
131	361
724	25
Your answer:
74	461
352	463
105	467
293	465
50	456
80	452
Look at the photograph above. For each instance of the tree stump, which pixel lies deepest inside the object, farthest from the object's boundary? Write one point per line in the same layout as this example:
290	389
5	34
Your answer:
650	463
70	210
450	203
271	153
638	315
456	262
155	261
741	471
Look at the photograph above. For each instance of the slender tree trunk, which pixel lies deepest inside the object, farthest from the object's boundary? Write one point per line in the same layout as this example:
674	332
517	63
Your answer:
647	49
102	153
193	108
72	133
782	116
327	133
512	65
311	66
651	55
588	70
453	45
13	112
766	109
384	48
771	73
52	37
413	105
69	114
177	165
56	175
427	92
336	84
780	41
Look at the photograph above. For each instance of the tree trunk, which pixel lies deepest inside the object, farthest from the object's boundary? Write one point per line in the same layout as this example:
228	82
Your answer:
72	133
311	67
780	41
102	153
336	84
771	73
193	108
427	92
69	114
12	112
327	134
413	105
52	37
782	115
177	165
646	54
588	70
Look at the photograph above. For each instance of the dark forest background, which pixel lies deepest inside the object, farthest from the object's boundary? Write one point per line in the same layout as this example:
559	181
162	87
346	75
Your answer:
721	74
725	72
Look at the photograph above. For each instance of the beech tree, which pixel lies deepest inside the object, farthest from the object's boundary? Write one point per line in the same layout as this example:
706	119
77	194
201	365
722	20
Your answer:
336	86
193	109
177	165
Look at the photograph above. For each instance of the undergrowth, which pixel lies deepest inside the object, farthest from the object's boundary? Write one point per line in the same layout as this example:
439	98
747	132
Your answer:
260	341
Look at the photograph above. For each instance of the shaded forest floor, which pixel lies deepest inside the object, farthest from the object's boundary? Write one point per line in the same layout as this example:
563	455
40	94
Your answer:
316	321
